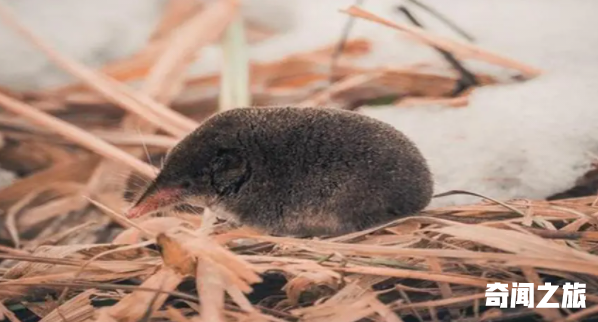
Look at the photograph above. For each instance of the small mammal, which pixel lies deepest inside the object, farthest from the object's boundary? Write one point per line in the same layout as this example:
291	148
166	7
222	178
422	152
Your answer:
293	171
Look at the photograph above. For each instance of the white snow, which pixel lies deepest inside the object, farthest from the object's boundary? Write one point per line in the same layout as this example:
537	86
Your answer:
521	140
91	31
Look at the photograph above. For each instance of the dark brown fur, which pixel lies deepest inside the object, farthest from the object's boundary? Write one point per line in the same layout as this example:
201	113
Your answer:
300	171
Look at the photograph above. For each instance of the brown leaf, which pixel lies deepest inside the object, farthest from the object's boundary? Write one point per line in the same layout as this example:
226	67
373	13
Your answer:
312	285
155	225
175	256
74	171
210	289
77	309
134	305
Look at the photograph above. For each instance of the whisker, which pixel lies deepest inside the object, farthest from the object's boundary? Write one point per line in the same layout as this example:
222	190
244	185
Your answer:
162	161
147	154
134	177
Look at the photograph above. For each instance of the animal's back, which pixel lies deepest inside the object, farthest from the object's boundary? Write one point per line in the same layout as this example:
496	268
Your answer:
324	171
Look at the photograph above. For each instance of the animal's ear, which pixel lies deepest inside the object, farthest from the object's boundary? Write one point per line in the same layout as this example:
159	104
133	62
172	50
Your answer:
229	171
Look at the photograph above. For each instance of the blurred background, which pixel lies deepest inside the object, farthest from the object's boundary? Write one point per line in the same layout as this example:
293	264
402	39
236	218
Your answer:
518	126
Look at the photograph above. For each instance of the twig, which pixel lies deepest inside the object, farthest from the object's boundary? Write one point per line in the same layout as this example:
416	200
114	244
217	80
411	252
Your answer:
463	192
108	286
121	219
444	19
77	135
167	75
467	79
113	90
568	235
464	50
235	82
341	44
12	251
345	84
579	315
150	308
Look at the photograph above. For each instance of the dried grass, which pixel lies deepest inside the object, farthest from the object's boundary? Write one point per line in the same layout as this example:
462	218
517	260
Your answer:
74	258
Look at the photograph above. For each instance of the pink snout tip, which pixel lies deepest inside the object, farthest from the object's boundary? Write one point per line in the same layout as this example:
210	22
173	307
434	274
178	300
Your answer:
162	198
135	212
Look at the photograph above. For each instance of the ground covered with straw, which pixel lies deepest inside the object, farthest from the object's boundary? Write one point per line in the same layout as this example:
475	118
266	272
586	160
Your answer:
68	254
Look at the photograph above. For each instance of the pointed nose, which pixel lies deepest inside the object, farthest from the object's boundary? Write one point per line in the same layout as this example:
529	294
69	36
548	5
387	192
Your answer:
155	201
136	211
